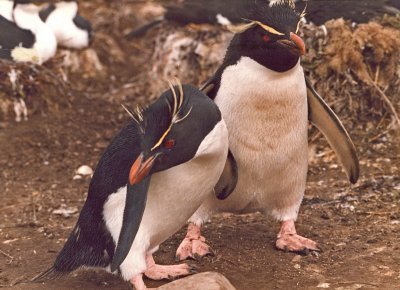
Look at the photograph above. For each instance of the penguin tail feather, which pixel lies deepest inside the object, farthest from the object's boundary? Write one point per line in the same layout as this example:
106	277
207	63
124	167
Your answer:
48	275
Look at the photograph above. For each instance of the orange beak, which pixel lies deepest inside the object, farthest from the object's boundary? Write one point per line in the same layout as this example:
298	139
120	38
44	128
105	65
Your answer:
299	43
140	169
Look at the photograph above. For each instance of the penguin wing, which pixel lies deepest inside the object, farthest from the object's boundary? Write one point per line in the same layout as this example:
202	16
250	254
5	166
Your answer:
323	117
228	180
135	204
211	86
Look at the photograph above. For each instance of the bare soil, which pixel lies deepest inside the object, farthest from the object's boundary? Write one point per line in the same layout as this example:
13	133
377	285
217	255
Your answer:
358	227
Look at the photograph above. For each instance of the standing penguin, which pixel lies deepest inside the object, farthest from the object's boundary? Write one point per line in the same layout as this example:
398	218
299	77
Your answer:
266	101
70	28
152	177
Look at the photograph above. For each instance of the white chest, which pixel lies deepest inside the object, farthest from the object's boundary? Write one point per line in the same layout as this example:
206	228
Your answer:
263	110
174	194
266	115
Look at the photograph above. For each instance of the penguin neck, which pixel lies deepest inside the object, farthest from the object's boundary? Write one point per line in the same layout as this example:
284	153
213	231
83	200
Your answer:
259	83
259	71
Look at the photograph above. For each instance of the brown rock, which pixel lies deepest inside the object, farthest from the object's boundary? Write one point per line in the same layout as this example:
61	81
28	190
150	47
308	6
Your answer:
202	281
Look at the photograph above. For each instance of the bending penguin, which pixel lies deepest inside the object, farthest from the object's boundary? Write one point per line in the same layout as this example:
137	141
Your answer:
69	27
266	102
149	181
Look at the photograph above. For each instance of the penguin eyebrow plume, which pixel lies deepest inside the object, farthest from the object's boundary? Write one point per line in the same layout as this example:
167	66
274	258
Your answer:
136	115
174	110
302	15
243	27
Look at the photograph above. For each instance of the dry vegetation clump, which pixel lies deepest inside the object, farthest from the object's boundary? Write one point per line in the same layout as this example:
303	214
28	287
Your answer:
191	53
27	88
357	69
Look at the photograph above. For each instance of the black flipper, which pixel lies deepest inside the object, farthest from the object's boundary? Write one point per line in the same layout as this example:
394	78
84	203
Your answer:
228	180
142	30
135	204
322	116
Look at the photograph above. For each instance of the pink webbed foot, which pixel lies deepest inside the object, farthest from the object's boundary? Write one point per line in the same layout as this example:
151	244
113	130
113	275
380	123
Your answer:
170	272
289	240
193	245
138	283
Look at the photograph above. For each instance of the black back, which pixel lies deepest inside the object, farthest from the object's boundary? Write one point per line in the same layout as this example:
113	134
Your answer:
45	12
12	36
82	23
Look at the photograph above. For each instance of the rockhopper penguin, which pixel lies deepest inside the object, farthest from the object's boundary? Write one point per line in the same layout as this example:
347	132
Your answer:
152	177
266	102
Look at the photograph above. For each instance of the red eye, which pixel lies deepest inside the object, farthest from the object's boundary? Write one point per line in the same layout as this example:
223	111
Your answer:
169	143
266	38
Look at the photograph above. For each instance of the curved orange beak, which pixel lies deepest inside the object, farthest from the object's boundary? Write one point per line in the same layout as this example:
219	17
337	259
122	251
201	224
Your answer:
299	42
140	169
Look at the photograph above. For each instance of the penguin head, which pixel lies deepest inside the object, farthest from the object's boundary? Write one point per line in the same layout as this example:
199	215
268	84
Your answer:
172	130
270	35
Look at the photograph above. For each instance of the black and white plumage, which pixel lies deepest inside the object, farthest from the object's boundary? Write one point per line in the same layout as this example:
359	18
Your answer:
69	27
149	181
266	101
28	38
16	43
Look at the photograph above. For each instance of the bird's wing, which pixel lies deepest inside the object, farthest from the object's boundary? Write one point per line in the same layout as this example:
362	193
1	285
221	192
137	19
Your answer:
322	116
211	86
228	180
135	204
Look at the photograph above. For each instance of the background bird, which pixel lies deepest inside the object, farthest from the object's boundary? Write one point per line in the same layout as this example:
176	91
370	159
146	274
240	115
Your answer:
26	16
150	180
16	43
69	27
34	32
227	12
265	100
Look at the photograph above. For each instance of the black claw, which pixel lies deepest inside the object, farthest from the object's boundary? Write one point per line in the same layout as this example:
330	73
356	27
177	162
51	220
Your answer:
130	286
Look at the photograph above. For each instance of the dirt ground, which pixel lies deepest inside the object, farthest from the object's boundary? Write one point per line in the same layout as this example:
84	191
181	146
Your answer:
358	227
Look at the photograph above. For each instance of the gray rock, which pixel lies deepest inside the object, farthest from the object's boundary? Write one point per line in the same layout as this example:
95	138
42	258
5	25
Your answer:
201	281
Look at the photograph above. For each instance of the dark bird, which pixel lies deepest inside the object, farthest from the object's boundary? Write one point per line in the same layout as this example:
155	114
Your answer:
266	103
69	27
23	35
234	11
152	177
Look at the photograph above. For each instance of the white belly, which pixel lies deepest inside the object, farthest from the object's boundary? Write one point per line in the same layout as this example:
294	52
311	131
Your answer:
266	116
173	196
